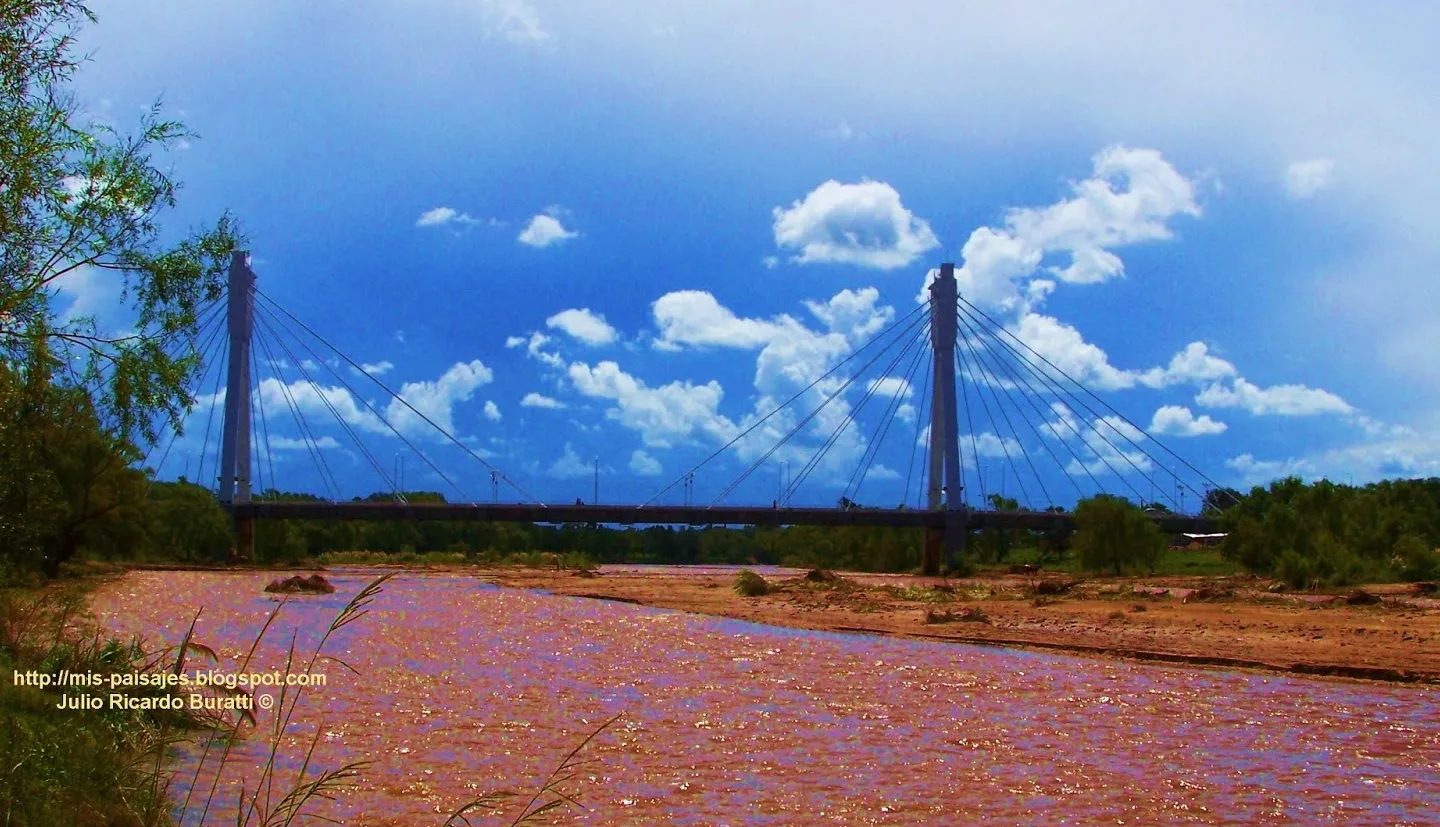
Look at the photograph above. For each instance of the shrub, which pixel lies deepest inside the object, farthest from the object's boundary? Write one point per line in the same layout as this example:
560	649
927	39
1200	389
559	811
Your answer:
750	584
1111	534
1415	560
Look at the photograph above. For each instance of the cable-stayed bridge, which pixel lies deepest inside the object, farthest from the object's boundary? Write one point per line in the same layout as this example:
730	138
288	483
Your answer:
987	400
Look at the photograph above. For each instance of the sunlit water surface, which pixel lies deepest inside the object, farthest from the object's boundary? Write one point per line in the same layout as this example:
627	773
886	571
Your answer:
464	688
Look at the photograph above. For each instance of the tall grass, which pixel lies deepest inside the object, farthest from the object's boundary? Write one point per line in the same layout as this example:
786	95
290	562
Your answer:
115	767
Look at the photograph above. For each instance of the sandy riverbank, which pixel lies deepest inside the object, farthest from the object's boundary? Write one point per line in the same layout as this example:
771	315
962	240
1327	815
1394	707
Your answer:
1160	619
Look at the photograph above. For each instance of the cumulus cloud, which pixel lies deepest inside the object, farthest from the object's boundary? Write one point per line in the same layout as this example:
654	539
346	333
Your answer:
372	368
854	314
545	229
584	325
1281	400
1131	197
644	465
863	224
536	400
441	216
664	416
492	411
436	399
534	345
1305	178
1180	421
570	466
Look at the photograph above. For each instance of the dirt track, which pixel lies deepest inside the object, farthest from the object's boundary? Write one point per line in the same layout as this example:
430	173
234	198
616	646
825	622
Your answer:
1162	619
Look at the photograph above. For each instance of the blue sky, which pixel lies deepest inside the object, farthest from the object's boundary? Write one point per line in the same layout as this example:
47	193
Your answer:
1223	221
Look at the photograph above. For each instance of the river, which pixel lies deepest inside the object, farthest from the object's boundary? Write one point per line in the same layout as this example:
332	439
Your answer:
464	688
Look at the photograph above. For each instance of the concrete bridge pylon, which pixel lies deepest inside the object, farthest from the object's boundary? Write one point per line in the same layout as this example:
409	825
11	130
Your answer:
946	483
235	435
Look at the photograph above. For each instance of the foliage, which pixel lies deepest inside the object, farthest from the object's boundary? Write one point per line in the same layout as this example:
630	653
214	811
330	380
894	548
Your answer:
1111	534
1328	534
80	204
750	584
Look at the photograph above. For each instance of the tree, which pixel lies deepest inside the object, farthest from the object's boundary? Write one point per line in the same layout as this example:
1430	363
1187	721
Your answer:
81	199
1112	534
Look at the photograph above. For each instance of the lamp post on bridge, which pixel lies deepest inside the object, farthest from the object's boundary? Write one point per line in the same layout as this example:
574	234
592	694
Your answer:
596	499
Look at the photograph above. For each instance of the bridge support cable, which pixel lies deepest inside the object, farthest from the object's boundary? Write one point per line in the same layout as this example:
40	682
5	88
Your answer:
329	406
1015	380
1024	375
1007	334
922	415
1065	396
352	363
205	337
891	413
850	415
967	344
1091	446
914	321
1040	438
210	419
853	413
272	322
265	437
762	420
307	437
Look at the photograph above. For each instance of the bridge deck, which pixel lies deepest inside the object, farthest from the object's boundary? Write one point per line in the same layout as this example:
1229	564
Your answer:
679	515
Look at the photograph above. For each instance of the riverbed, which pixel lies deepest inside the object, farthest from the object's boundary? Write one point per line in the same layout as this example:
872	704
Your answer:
463	688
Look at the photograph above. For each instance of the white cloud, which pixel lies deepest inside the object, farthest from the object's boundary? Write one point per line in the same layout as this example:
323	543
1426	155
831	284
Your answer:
372	368
590	328
1178	420
1068	351
285	443
1193	365
515	20
311	400
570	465
92	292
1386	453
440	216
535	400
492	411
1130	198
544	230
535	348
695	318
1305	178
436	400
644	465
891	386
853	314
1106	444
863	224
1282	400
665	415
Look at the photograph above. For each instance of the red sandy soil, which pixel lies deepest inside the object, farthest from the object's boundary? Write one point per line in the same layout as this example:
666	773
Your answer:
1160	619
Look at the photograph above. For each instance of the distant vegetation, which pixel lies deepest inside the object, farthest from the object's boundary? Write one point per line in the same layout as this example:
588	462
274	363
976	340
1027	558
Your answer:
1315	534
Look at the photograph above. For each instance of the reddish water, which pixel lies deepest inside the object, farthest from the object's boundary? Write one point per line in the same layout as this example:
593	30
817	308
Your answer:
466	688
